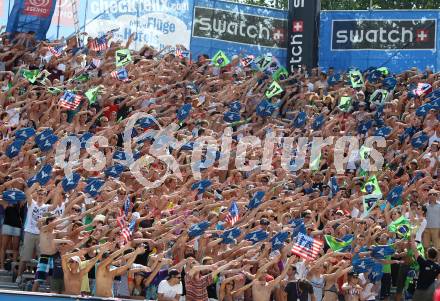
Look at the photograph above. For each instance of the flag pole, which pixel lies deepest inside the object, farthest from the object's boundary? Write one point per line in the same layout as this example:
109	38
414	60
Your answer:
59	18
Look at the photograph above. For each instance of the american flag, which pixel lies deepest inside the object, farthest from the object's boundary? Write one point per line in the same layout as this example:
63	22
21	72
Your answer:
423	89
122	223
307	247
70	100
57	50
233	215
99	44
120	74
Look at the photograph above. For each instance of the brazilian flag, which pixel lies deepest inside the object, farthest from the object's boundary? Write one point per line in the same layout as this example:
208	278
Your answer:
337	244
372	186
401	227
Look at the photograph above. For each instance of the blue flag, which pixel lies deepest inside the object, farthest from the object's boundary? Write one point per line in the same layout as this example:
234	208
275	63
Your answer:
376	273
256	200
420	140
423	110
278	240
408	132
298	227
114	171
146	122
334	186
374	76
380	252
71	182
24	133
14	148
394	195
383	131
45	140
362	265
84	138
229	236
13	196
256	236
201	186
119	155
231	117
434	94
198	229
435	104
389	83
318	122
235	106
188	146
300	120
184	112
364	127
44	175
334	79
93	187
265	108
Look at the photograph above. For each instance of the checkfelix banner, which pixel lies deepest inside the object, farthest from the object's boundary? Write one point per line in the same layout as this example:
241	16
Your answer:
236	28
394	39
31	15
303	29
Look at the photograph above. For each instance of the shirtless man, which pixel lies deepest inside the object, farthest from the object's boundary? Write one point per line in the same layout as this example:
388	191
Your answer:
261	288
48	247
105	275
73	275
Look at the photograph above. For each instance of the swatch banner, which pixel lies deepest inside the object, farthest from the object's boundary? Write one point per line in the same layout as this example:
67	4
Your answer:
31	15
158	23
303	31
237	28
394	39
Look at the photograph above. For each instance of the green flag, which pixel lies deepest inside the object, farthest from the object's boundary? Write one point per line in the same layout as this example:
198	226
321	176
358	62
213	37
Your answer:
356	79
345	103
401	227
92	94
262	62
273	90
123	57
374	186
220	59
82	77
337	244
281	73
31	75
54	90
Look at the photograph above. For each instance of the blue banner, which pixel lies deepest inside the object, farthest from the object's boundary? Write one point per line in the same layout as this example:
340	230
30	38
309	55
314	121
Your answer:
394	39
237	28
31	16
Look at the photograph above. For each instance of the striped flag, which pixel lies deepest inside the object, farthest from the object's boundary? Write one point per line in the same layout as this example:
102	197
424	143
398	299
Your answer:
99	44
57	50
122	223
121	75
233	214
307	247
69	100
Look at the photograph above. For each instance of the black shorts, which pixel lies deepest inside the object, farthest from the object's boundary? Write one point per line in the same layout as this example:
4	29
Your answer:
401	277
385	287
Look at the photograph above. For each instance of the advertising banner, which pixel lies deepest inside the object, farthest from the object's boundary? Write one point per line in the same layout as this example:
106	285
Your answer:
31	15
237	28
397	40
303	27
158	23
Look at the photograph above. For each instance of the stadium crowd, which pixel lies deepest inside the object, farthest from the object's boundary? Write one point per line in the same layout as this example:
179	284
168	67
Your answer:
309	233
